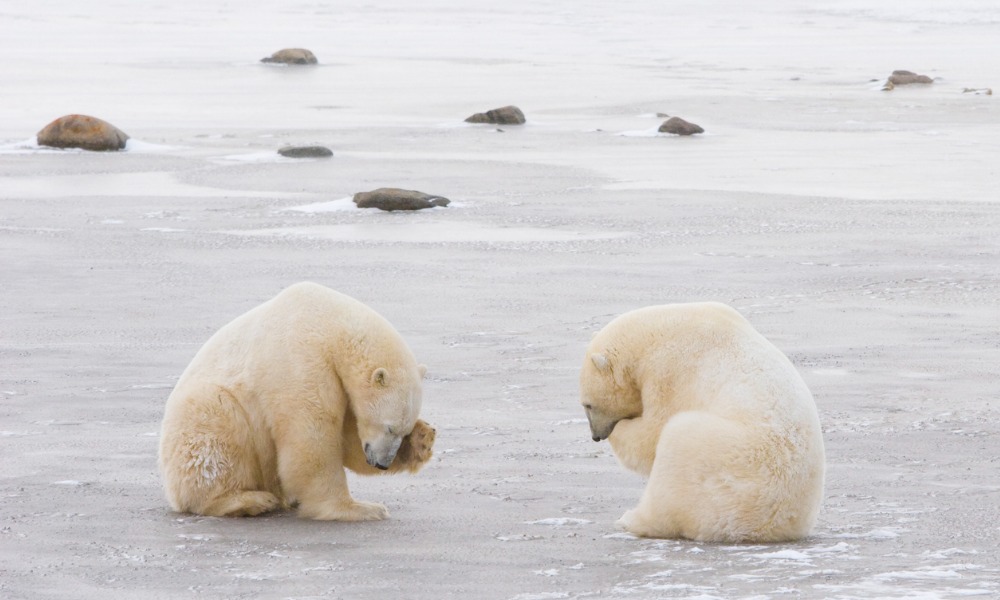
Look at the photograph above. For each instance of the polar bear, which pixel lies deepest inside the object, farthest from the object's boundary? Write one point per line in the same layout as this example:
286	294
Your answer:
279	401
694	398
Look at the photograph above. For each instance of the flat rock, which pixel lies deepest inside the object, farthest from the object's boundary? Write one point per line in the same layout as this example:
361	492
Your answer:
679	126
505	115
292	56
391	199
908	77
81	131
305	151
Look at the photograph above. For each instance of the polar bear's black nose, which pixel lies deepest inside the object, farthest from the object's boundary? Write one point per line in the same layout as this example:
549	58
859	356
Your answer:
597	438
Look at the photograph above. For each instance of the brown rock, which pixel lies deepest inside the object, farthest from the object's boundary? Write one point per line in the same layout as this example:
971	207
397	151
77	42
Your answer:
679	126
506	115
292	56
391	199
978	91
81	131
908	77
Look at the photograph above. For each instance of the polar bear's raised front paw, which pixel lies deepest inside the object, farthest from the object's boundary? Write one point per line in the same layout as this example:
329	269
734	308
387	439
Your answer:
416	448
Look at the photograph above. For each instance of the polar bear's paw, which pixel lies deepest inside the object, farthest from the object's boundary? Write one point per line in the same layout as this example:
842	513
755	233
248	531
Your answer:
242	504
416	448
625	520
353	511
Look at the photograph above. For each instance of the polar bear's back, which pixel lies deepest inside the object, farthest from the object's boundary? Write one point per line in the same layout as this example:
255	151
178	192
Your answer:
303	324
704	349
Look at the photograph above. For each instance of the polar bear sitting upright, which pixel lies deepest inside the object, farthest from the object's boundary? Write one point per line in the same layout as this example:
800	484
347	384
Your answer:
280	400
718	419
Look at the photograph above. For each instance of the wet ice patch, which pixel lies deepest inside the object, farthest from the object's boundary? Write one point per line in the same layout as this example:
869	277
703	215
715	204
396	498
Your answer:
560	522
135	146
69	482
783	555
652	132
830	372
148	184
917	375
875	534
427	233
30	146
325	207
256	157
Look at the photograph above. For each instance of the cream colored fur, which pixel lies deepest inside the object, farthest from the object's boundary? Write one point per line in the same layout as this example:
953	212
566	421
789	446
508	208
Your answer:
717	418
279	401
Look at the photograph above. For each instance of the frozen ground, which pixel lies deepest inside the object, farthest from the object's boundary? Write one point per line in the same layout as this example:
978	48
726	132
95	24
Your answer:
856	229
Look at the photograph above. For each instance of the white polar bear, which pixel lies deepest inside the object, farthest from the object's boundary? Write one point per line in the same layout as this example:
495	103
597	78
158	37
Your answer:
694	398
280	400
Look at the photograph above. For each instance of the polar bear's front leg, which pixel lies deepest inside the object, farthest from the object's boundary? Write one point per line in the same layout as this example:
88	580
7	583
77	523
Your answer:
634	442
311	469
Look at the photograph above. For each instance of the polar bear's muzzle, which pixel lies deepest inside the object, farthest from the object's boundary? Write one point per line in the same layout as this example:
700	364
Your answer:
601	425
380	452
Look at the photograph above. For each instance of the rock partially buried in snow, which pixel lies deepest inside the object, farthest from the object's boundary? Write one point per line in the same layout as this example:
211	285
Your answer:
305	151
679	126
978	91
908	77
291	56
391	199
505	115
81	131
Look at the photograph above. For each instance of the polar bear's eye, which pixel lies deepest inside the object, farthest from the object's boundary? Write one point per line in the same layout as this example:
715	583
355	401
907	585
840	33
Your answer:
388	429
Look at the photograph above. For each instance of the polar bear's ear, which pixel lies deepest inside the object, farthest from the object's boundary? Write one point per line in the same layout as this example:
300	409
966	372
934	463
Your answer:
380	377
423	370
600	361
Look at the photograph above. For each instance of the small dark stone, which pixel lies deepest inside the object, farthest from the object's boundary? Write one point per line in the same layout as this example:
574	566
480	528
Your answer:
391	199
292	56
506	115
662	115
679	126
305	151
908	77
81	131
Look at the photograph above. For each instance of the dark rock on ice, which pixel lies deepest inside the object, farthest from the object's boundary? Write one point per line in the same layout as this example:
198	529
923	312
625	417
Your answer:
679	126
305	151
292	56
506	115
396	199
908	77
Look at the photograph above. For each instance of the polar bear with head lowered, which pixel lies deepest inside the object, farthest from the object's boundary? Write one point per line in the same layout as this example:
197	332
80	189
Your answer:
279	401
694	398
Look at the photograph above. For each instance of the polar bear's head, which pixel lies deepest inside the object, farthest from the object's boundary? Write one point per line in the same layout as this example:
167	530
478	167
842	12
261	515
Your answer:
607	393
387	411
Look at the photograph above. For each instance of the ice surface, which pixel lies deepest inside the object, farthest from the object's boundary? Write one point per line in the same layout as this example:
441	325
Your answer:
855	228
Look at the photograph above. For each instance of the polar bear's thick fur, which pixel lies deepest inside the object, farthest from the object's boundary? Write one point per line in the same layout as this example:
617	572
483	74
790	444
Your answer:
694	398
279	401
